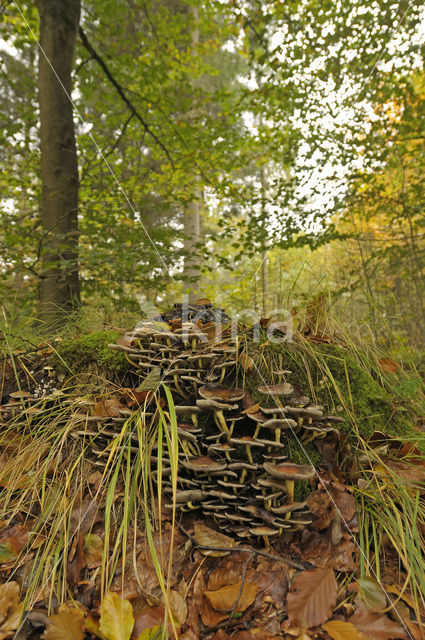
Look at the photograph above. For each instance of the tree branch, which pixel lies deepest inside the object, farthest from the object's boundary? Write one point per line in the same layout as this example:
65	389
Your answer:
121	93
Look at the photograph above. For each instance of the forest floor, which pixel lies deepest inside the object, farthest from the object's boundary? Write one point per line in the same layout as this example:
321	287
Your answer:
92	544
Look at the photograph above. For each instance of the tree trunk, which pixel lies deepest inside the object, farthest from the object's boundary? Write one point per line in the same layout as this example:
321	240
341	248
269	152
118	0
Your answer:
192	238
192	217
59	290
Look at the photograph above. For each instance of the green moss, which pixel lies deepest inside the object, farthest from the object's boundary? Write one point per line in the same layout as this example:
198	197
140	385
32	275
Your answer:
333	377
90	353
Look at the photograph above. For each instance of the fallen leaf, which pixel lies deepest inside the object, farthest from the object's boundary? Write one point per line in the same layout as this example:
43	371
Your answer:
222	577
372	593
207	537
66	624
93	550
377	626
148	619
312	597
116	617
178	607
224	599
339	630
209	616
12	541
10	609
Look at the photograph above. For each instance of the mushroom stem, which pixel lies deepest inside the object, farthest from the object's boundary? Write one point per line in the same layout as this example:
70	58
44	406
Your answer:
249	454
257	430
266	542
221	423
290	484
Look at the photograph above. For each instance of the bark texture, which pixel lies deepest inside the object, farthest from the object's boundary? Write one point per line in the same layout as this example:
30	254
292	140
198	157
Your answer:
59	290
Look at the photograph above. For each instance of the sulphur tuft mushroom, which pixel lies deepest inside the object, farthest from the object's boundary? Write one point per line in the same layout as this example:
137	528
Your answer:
289	471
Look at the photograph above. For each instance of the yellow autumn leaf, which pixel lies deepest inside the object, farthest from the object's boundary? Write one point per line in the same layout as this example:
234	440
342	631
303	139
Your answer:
116	617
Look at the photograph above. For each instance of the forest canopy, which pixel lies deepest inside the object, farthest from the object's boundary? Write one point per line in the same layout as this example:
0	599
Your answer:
238	150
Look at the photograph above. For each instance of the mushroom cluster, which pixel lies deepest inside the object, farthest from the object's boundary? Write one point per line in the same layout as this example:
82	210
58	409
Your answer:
233	458
234	463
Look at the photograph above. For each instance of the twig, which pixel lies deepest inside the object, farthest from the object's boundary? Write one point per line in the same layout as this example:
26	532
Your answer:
86	43
245	569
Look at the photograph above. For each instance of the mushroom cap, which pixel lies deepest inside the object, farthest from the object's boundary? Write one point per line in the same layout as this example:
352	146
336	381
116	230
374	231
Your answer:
230	485
189	427
212	504
186	410
225	364
274	410
258	512
221	446
305	412
331	419
236	516
274	456
263	530
288	508
258	416
290	470
214	404
247	440
236	466
203	463
191	495
214	392
279	423
271	482
282	389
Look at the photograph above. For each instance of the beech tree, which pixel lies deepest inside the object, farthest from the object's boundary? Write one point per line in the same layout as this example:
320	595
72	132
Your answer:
59	289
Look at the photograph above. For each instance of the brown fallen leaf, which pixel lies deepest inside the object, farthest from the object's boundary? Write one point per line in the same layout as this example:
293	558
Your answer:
10	609
12	541
377	626
224	599
312	597
223	577
149	618
207	537
339	630
209	616
178	607
66	624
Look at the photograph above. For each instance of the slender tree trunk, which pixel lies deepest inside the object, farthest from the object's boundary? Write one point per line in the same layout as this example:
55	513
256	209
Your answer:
264	252
59	290
193	236
192	217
